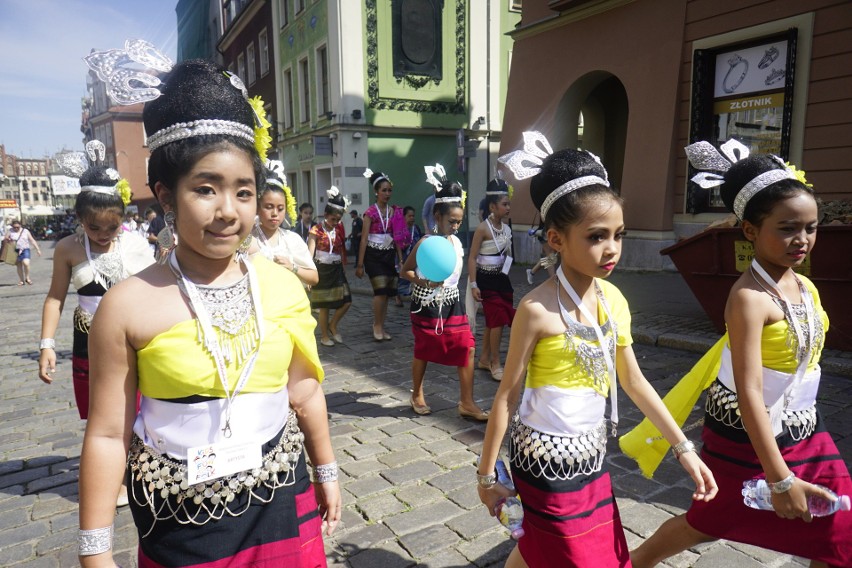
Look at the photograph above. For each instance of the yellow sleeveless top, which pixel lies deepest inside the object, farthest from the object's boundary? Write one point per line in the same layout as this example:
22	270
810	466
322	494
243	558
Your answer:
553	363
775	354
175	364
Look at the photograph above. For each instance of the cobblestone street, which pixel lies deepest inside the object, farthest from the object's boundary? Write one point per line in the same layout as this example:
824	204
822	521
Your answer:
407	481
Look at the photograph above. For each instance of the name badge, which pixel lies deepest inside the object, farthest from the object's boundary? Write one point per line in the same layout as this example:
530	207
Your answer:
507	264
387	240
205	463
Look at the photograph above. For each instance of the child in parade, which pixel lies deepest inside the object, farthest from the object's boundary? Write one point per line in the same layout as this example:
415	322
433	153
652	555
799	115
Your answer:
488	280
760	415
379	255
327	244
303	225
271	233
97	257
226	359
572	338
406	236
441	329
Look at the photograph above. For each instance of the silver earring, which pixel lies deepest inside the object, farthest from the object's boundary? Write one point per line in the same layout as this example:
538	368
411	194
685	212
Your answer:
242	250
167	238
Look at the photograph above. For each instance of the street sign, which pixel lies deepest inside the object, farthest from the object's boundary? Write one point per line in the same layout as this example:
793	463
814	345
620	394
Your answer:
8	204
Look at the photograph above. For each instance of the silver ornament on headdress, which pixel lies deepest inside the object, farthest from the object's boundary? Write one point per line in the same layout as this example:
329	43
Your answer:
279	178
127	84
436	176
704	156
123	82
333	193
527	163
96	151
368	173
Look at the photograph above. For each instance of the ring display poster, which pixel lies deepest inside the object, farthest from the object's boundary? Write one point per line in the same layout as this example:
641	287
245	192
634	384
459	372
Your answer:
743	92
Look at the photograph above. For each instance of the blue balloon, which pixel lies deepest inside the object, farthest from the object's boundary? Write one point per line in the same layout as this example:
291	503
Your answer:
436	258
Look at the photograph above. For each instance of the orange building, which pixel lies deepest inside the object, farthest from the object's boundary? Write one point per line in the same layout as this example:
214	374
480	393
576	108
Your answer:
635	82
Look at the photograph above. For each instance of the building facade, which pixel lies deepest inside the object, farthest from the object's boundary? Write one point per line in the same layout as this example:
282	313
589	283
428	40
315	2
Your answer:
392	86
644	79
25	189
121	130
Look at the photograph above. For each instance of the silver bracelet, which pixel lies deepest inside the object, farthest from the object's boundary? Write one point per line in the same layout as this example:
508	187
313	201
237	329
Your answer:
326	472
474	286
47	343
682	448
94	541
784	485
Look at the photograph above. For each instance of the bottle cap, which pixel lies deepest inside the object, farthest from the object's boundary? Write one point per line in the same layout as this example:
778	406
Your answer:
844	503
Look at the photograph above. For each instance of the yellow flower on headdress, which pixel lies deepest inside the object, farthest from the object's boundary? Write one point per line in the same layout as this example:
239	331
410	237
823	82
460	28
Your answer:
464	198
262	139
291	203
122	188
510	191
800	174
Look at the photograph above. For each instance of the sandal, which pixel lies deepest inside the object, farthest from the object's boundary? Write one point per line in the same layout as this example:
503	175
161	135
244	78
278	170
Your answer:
327	342
497	374
481	415
483	366
386	336
335	335
421	409
20	283
29	281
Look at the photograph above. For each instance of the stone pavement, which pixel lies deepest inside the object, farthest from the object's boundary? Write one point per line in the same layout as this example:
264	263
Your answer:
407	481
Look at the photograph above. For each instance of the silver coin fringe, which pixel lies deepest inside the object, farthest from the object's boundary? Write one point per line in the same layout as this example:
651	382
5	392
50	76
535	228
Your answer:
557	457
424	295
722	404
161	485
489	268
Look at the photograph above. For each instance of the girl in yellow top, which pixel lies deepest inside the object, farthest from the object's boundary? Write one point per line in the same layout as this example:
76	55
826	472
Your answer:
760	415
571	335
225	359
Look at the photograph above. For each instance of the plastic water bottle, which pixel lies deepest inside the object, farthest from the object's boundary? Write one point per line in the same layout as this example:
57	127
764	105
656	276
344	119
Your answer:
757	495
509	510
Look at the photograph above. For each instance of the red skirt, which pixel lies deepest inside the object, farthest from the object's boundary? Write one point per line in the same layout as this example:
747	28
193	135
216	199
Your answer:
572	522
497	308
80	378
729	454
441	336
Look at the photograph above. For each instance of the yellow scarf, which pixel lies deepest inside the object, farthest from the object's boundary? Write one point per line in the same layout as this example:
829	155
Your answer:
645	443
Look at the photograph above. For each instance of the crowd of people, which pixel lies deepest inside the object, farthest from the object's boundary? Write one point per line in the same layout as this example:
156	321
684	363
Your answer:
208	416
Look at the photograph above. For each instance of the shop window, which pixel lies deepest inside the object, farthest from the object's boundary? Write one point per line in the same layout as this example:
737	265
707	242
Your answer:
742	91
263	46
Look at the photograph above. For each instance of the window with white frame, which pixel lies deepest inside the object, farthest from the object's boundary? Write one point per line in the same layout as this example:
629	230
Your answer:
322	81
263	47
284	12
287	78
252	66
515	5
241	66
305	82
300	6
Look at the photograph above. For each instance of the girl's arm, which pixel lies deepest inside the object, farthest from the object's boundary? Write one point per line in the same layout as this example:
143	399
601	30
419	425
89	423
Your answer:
475	245
522	341
646	398
746	314
112	380
34	243
312	244
362	248
308	401
53	304
409	270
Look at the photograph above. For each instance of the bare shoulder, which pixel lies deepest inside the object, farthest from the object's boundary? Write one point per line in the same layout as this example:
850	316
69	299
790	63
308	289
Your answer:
68	247
748	302
540	311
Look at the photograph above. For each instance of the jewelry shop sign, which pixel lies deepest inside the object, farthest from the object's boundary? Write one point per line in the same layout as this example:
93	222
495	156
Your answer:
751	69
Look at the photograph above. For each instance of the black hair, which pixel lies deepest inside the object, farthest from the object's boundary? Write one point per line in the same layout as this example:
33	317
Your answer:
495	191
196	89
448	189
562	167
304	206
266	186
90	203
374	179
760	205
406	209
336	204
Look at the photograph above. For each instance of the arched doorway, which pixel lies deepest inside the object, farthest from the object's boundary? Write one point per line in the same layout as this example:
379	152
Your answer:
592	115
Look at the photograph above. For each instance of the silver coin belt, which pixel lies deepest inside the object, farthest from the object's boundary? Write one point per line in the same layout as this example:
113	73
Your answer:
557	457
489	268
161	484
722	404
445	296
378	246
82	319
